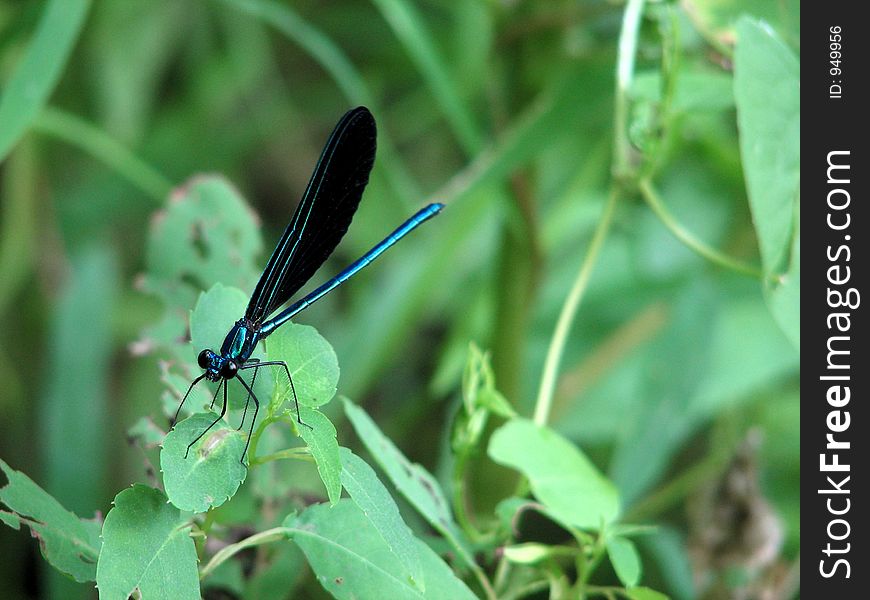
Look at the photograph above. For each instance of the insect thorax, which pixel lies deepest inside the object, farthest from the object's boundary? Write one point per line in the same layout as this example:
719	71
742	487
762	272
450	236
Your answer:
240	342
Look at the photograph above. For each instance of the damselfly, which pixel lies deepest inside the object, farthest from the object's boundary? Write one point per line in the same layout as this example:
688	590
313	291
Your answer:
320	221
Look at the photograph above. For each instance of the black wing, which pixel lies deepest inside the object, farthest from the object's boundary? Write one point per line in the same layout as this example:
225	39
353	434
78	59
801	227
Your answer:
323	215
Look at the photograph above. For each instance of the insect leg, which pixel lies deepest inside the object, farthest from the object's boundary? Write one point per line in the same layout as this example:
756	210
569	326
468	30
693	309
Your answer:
193	383
248	399
211	406
223	412
253	421
292	387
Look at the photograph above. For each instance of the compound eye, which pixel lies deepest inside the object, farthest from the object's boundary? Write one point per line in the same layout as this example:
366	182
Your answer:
204	359
229	369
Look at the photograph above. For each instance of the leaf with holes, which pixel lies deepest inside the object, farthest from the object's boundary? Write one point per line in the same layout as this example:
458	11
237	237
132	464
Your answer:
146	547
211	473
206	234
69	543
312	363
147	432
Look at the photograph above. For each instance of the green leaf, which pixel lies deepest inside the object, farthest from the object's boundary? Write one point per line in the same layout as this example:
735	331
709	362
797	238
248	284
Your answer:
146	547
70	544
212	471
199	399
561	476
740	368
361	565
311	360
414	482
767	90
478	385
30	85
205	235
783	294
10	519
717	19
495	402
625	560
373	499
480	398
532	553
506	512
147	432
645	593
320	437
733	368
215	313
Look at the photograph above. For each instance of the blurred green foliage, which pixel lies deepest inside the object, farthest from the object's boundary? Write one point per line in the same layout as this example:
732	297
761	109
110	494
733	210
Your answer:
511	113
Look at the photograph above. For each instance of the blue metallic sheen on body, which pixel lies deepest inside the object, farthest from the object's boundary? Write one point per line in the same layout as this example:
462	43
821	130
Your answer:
240	342
242	338
318	224
404	229
213	370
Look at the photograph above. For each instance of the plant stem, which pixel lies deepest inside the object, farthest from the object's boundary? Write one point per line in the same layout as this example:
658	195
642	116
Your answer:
518	263
589	566
547	388
255	439
525	590
484	582
460	501
502	571
609	592
297	453
654	201
621	167
624	73
208	522
264	537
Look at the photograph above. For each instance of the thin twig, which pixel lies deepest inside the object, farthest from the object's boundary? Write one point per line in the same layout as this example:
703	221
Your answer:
544	402
654	201
264	537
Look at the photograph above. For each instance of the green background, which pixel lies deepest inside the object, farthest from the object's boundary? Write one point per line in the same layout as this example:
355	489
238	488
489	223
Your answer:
507	111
